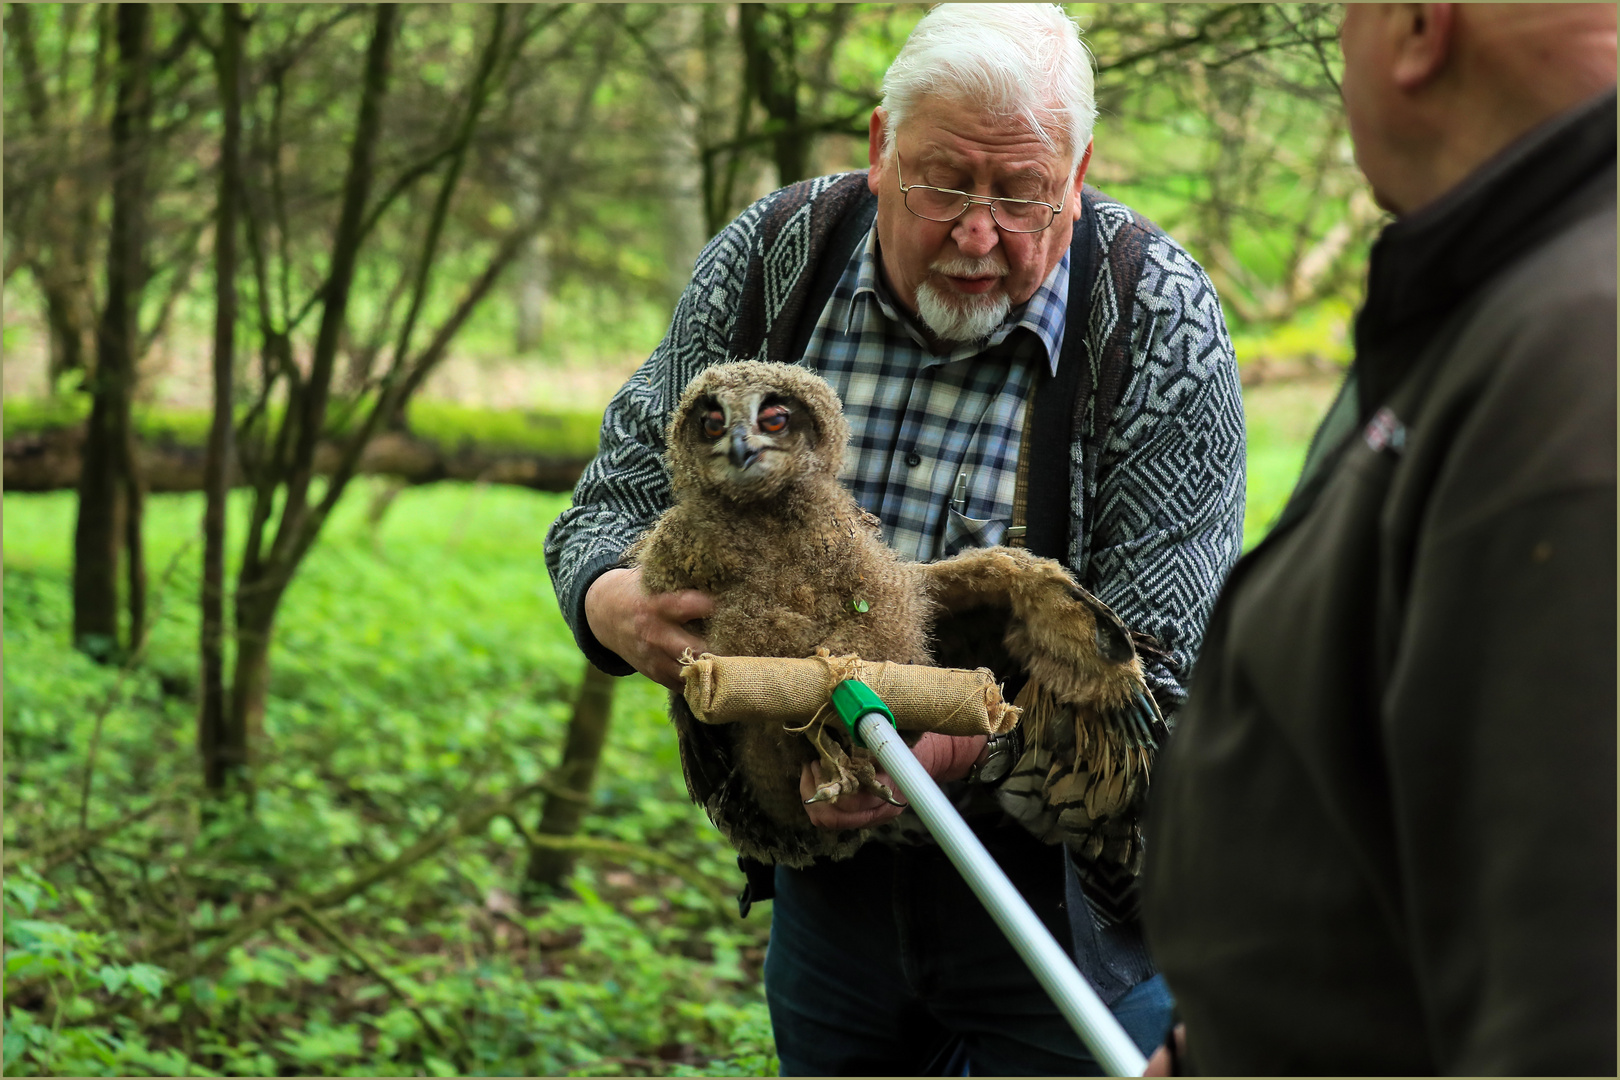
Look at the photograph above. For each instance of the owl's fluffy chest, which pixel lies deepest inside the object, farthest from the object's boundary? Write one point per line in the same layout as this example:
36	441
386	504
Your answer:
785	587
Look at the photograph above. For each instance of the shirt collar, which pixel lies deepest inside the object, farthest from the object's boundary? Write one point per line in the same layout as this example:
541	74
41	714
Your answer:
1042	314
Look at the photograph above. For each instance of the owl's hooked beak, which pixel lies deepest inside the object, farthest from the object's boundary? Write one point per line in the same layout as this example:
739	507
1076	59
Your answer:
741	454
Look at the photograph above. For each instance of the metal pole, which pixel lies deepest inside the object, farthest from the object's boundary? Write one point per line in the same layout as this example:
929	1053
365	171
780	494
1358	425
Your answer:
1080	1005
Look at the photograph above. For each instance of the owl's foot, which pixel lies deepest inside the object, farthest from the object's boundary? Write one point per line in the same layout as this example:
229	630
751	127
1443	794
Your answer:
850	775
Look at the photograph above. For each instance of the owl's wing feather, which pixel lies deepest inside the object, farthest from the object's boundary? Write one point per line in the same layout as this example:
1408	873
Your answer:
1091	729
705	751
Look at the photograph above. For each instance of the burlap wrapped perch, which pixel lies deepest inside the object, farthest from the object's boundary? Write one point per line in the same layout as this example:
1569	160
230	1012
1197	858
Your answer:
1075	783
744	689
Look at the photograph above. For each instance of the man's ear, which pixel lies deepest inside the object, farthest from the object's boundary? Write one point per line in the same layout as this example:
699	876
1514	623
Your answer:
874	149
1423	43
1085	163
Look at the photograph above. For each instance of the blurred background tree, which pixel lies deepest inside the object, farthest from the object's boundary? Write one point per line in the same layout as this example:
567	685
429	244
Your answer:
629	134
273	249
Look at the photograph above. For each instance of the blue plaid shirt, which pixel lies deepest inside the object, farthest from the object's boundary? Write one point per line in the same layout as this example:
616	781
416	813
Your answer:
934	451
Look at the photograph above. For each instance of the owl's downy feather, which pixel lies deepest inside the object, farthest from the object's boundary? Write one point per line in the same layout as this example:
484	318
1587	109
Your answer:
760	523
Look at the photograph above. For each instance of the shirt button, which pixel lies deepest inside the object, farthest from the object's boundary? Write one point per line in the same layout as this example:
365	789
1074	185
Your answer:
914	459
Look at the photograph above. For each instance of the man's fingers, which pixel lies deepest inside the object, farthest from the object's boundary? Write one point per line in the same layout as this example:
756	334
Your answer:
683	606
664	671
1163	1061
648	630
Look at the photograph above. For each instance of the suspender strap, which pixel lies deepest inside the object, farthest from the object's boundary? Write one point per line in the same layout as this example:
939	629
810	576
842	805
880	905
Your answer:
1076	406
815	224
1053	418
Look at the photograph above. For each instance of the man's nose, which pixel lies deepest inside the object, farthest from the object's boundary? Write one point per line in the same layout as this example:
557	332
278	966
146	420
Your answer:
975	232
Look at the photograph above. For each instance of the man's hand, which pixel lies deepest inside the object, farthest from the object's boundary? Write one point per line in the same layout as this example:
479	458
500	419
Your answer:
648	630
1163	1062
944	757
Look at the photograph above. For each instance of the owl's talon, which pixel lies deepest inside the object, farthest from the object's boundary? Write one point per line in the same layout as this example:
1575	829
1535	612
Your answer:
825	793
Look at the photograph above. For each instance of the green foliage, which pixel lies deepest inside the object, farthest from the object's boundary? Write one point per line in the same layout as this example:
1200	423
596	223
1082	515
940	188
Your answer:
1281	417
39	414
1323	333
419	665
549	434
152	422
571	434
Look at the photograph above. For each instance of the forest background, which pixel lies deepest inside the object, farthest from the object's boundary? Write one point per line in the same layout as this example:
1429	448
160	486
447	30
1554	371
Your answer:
310	315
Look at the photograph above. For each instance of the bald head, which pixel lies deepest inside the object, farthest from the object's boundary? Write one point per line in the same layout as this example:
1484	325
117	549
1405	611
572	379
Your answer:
1433	91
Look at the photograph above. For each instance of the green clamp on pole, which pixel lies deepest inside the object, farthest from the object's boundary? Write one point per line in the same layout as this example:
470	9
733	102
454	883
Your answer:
854	699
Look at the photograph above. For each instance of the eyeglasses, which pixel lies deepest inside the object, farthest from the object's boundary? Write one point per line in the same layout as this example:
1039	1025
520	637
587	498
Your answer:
948	204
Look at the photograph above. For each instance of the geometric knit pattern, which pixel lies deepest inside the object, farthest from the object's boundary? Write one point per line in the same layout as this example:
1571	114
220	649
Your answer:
1165	502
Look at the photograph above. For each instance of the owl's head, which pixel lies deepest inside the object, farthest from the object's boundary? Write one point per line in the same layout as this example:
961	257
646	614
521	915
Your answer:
751	431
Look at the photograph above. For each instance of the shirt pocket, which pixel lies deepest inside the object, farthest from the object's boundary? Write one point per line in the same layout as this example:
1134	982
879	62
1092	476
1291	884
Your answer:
963	533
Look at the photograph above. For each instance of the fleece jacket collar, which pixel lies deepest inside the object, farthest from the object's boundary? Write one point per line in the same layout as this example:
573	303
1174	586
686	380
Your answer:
1424	265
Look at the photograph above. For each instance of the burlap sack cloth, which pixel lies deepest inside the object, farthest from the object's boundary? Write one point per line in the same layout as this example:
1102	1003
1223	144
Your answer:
742	689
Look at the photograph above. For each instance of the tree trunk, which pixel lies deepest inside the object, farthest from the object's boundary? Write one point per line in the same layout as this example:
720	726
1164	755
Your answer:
134	540
50	460
771	68
532	262
257	598
67	334
108	474
531	291
587	731
264	576
222	755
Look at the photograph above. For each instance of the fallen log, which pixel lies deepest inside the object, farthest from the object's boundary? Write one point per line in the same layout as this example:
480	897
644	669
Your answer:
49	460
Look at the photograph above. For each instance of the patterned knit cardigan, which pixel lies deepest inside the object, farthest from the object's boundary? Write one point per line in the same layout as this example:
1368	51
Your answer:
1165	501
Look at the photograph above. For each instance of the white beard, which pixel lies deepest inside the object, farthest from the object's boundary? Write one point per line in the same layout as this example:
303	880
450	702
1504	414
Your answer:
957	317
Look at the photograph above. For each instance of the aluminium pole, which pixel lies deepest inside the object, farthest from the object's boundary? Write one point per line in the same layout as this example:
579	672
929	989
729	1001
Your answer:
872	723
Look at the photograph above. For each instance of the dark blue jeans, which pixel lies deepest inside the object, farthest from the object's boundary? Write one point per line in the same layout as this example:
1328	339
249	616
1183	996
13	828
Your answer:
886	964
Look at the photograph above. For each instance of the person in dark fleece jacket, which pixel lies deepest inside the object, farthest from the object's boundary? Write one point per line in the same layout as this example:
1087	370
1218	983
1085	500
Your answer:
1383	839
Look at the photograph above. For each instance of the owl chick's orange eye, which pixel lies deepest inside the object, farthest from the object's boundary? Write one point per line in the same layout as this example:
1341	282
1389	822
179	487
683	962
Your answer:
714	424
773	419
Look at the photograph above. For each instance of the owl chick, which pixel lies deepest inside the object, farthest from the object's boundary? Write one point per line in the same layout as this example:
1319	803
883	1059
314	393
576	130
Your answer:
760	522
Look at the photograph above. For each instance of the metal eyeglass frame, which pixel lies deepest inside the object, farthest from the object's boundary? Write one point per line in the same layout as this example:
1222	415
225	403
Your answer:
969	199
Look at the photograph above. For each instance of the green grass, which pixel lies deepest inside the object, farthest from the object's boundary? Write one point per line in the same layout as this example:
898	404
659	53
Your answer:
414	668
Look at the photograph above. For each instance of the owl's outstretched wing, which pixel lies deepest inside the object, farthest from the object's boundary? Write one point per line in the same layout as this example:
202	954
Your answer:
1091	728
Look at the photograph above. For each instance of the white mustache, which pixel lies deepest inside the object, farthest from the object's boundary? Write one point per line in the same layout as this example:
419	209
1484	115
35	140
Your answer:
962	266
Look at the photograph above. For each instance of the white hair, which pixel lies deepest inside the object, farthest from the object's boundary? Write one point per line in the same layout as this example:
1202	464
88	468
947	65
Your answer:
963	318
1015	60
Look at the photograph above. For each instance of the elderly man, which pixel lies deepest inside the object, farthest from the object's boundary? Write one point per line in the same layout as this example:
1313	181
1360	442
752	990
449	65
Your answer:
975	306
1383	841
